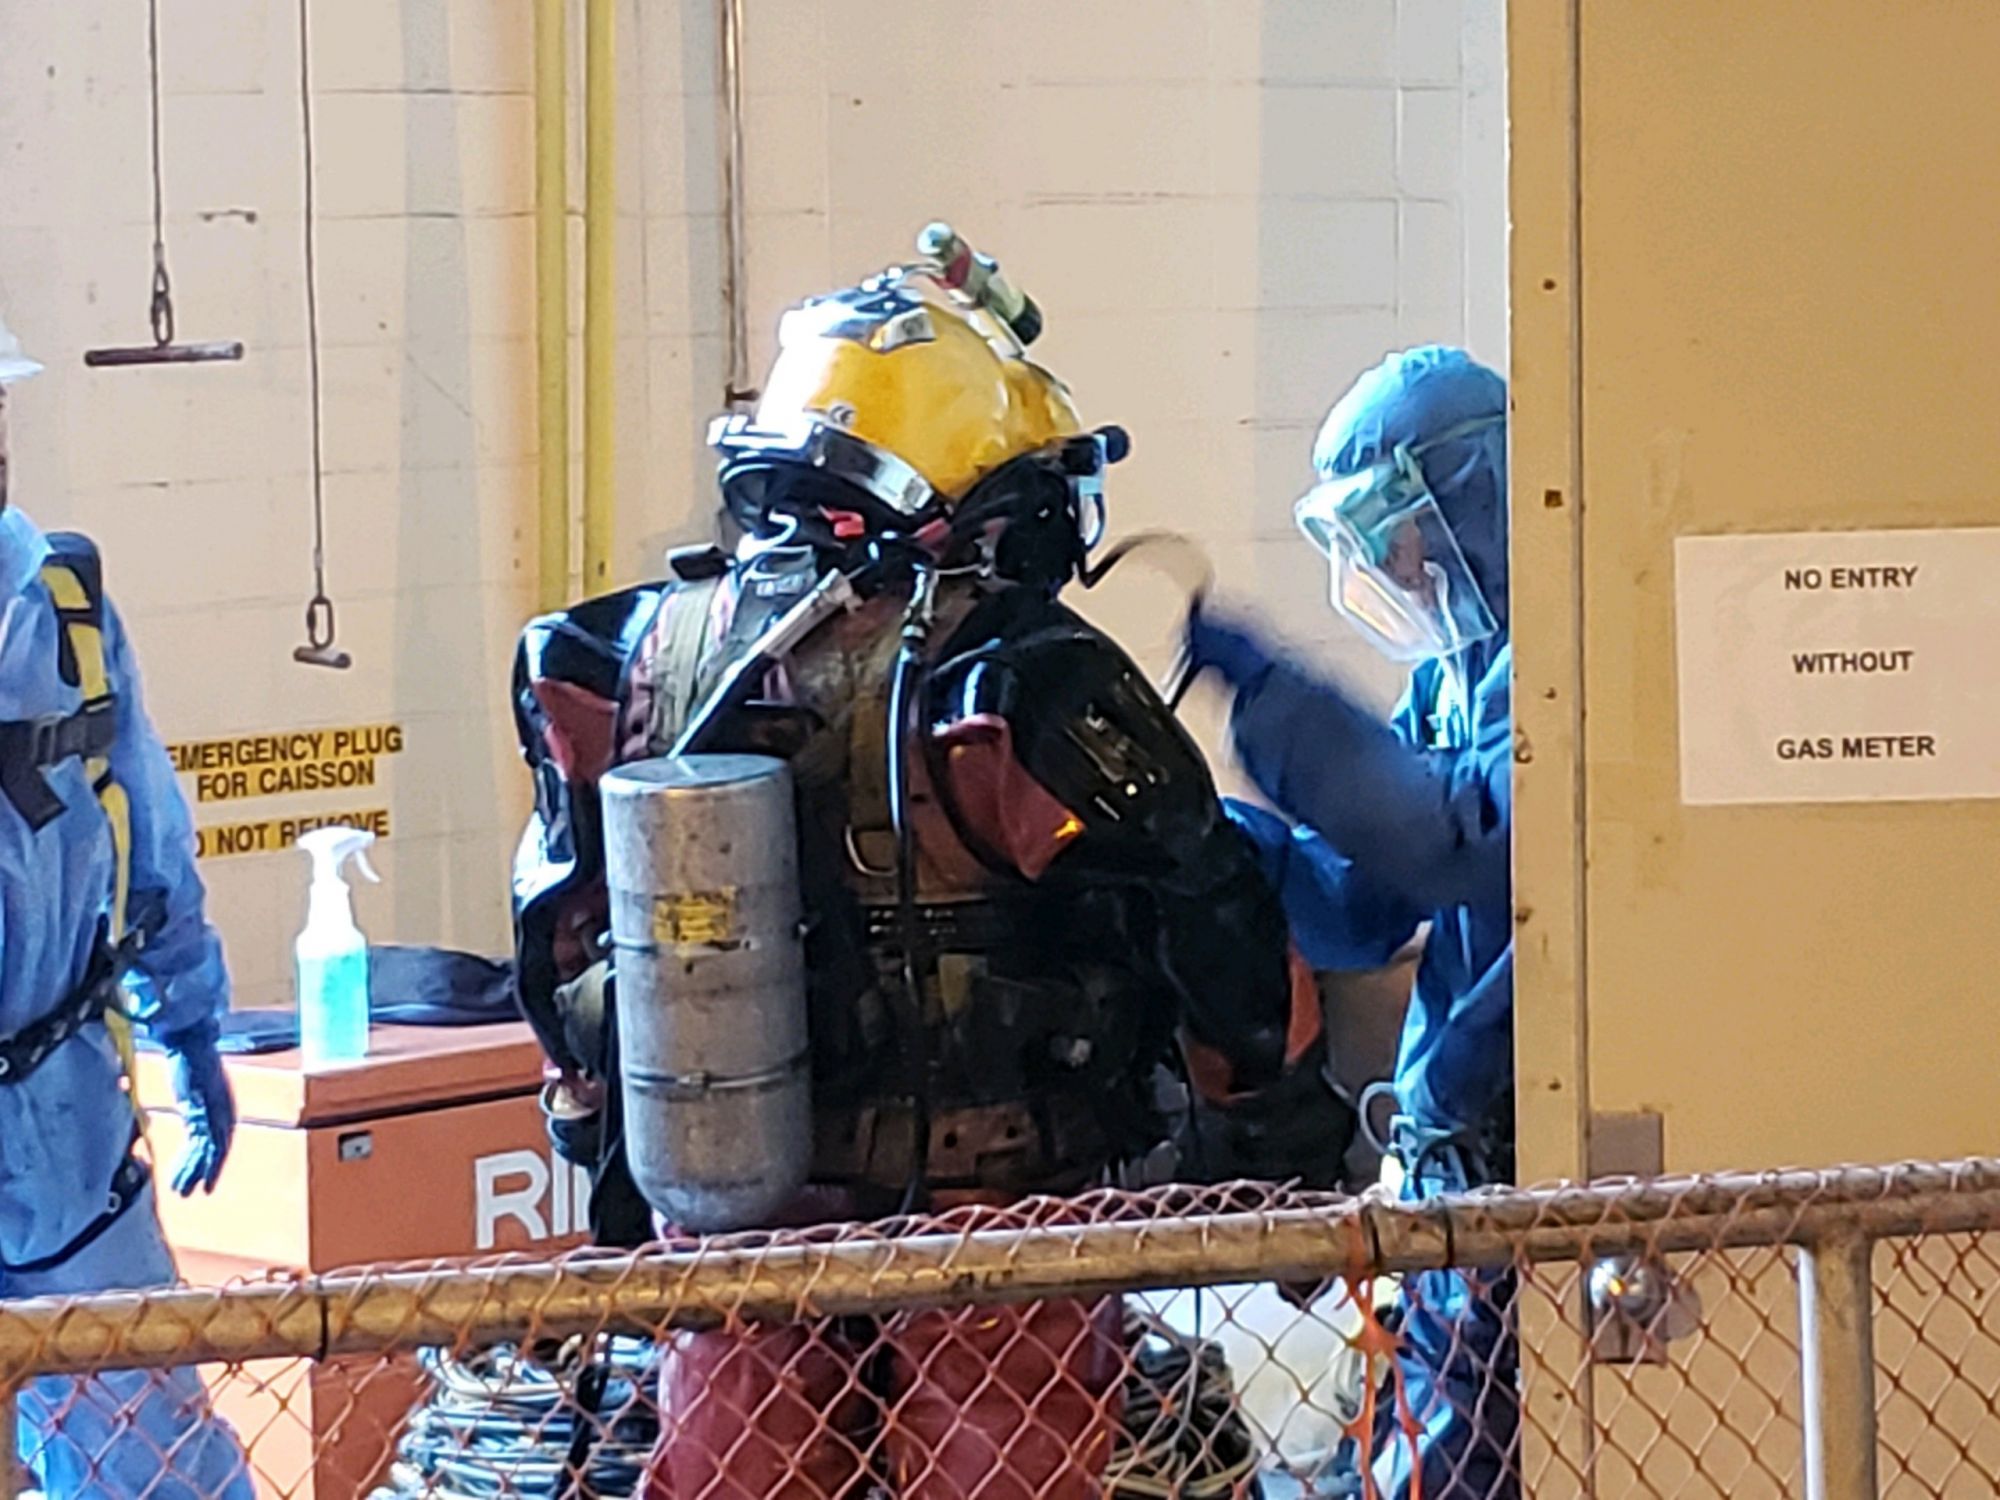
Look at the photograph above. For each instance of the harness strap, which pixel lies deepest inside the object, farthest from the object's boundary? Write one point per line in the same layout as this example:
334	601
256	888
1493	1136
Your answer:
75	581
93	1000
127	1184
679	662
29	747
74	578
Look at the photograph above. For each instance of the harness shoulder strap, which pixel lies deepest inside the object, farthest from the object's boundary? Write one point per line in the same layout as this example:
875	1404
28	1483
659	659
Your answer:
74	577
683	638
29	747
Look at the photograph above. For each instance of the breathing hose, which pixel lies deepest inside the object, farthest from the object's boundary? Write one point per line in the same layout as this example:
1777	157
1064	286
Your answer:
502	1424
903	694
1182	1433
1181	676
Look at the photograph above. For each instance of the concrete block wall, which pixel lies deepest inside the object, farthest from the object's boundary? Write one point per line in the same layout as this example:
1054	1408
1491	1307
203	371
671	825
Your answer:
1228	207
196	481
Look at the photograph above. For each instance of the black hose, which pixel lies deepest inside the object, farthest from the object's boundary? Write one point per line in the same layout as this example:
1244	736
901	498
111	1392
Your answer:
904	692
591	1386
1182	1432
501	1424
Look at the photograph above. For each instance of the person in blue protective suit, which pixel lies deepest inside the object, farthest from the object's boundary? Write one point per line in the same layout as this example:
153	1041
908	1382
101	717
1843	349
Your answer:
1389	827
101	926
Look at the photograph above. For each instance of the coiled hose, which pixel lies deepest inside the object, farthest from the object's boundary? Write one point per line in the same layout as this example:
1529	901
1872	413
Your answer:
1183	1434
504	1424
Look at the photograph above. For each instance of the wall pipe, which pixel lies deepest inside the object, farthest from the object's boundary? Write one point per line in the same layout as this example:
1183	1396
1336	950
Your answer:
600	352
552	302
736	388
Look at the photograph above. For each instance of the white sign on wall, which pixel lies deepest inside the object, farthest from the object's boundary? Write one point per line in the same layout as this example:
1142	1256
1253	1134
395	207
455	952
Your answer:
1839	666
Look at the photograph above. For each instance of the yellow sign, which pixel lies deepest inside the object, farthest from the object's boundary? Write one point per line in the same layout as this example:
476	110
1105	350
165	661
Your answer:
219	840
273	765
695	917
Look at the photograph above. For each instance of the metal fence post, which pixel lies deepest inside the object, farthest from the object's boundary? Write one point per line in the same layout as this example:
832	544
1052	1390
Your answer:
10	1442
1837	1362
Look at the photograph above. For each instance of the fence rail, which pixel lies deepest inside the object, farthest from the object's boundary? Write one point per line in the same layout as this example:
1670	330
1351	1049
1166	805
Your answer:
1780	1360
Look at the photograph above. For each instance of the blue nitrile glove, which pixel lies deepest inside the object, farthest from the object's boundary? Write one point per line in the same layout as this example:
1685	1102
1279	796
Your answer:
1216	642
207	1107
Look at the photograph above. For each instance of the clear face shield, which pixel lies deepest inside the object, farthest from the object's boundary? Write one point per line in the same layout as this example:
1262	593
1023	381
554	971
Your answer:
1398	575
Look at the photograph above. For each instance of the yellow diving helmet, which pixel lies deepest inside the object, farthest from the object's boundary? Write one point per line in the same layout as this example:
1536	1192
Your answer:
907	405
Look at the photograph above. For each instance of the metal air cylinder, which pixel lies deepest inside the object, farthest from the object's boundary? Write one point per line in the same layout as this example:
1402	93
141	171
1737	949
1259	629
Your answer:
701	859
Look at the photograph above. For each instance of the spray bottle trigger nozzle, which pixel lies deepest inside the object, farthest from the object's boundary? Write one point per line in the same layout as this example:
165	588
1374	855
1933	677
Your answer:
333	846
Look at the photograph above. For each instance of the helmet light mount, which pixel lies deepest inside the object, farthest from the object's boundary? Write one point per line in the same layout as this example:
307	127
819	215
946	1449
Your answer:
977	278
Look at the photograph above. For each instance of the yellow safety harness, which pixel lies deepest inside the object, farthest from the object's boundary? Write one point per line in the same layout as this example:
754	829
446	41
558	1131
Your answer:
75	581
29	750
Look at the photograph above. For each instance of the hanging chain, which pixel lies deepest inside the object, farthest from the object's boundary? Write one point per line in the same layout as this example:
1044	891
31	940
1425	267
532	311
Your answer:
319	611
162	311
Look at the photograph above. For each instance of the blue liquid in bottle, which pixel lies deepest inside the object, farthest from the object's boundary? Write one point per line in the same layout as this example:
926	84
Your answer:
333	1007
331	955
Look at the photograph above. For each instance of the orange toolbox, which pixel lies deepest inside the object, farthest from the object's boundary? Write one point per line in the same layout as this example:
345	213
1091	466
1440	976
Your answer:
432	1146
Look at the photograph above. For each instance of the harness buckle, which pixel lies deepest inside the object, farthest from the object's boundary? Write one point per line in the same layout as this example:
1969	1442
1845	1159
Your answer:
44	737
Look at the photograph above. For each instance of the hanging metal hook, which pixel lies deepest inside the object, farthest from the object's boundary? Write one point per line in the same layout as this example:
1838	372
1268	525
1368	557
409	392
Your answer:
160	314
319	650
162	311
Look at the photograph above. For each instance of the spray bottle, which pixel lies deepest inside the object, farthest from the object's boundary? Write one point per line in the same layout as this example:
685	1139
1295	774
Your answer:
331	953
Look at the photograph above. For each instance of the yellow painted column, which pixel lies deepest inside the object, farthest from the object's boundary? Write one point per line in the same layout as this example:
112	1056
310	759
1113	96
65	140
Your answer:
551	302
599	330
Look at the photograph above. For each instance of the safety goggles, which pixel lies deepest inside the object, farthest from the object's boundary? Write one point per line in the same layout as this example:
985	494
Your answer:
1399	576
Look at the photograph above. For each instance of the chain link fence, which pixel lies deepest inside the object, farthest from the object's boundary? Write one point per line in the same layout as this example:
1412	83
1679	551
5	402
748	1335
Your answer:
1831	1334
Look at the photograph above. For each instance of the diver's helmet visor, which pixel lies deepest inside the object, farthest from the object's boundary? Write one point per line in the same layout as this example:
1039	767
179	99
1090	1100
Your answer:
814	442
1398	574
